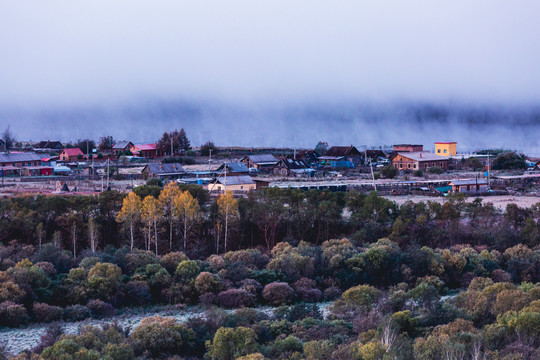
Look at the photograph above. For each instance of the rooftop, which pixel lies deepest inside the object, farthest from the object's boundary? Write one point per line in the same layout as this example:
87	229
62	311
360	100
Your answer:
422	156
19	156
235	180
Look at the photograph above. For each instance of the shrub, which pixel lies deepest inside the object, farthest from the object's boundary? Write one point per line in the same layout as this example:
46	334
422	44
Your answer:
207	299
47	267
278	293
100	308
138	293
332	293
435	170
231	343
76	312
171	260
12	314
253	286
207	283
389	171
46	313
235	298
364	295
162	336
306	290
187	270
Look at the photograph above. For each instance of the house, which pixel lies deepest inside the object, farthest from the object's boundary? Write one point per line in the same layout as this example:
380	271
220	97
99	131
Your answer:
20	159
310	157
374	156
420	160
446	148
50	146
37	171
469	186
408	148
341	156
292	167
146	151
122	148
233	183
2	145
71	154
260	162
234	168
170	171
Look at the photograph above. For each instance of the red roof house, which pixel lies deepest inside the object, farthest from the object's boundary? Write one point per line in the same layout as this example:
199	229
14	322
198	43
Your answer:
71	154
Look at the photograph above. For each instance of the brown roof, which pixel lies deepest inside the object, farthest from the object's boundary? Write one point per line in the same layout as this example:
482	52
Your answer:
338	151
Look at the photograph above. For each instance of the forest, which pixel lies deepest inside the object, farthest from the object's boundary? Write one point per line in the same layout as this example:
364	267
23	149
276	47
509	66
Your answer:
426	281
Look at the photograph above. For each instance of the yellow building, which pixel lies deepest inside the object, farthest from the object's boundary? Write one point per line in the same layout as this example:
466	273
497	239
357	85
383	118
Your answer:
446	148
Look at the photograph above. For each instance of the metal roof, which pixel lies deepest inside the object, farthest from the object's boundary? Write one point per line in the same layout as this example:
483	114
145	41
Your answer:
263	159
236	167
121	145
236	180
165	169
469	182
422	156
18	157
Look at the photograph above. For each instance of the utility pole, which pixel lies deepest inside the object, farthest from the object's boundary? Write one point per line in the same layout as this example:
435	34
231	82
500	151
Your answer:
373	176
209	159
108	173
489	170
172	152
225	169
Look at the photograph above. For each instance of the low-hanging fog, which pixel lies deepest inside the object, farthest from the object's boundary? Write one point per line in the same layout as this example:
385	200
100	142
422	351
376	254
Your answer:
274	73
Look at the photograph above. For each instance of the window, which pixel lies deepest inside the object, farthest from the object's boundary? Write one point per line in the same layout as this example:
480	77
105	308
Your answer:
409	166
395	165
414	166
445	151
439	151
400	166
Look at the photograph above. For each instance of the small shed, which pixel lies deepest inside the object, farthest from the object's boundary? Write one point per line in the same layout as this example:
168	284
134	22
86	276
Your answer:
234	168
260	162
470	186
168	170
233	183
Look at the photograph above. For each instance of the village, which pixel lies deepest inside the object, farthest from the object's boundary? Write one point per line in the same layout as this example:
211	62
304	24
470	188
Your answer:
401	171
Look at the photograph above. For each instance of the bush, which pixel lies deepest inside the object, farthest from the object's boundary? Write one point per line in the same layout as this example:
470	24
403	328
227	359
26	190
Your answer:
138	293
278	293
418	173
162	336
207	283
389	171
235	298
187	270
171	260
332	293
306	290
46	313
12	314
435	170
100	308
76	313
363	295
207	299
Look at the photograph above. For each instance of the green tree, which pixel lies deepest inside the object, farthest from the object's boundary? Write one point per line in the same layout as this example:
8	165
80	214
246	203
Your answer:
231	343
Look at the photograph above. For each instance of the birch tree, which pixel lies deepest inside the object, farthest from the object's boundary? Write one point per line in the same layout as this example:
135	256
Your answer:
168	202
130	214
228	211
187	209
93	234
151	214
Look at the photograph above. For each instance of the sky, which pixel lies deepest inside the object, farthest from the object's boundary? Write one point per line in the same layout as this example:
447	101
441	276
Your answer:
257	57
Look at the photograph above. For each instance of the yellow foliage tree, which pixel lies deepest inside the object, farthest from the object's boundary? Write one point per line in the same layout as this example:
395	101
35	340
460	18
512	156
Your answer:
130	213
187	209
168	202
151	213
228	210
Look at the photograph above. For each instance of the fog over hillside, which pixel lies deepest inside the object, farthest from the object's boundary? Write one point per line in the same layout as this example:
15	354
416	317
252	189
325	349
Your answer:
292	125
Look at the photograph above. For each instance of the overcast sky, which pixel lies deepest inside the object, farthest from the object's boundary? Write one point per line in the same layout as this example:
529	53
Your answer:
270	73
88	52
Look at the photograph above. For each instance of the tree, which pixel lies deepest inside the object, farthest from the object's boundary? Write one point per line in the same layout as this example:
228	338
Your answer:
177	138
106	143
168	201
93	233
188	211
228	210
8	138
151	213
130	213
206	147
231	343
509	160
321	148
86	145
389	171
40	233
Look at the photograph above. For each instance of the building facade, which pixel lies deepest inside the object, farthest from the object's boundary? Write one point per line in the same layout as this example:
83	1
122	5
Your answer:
446	148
